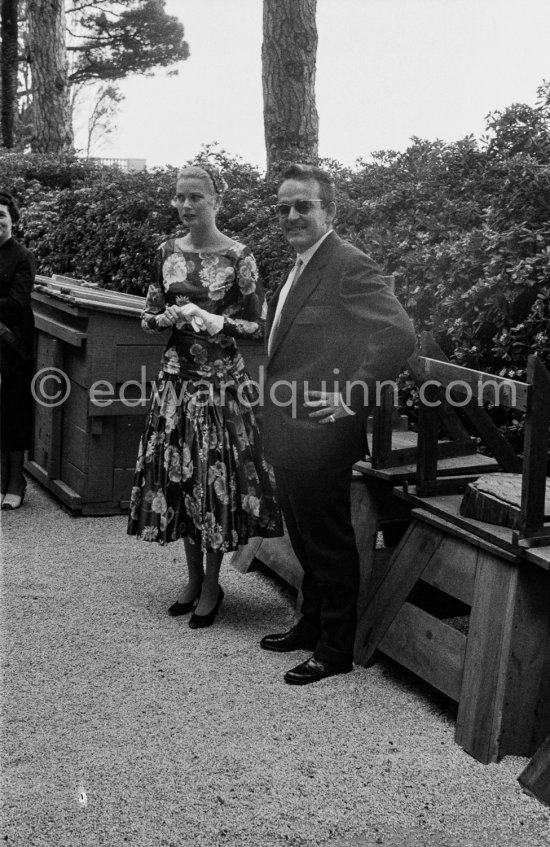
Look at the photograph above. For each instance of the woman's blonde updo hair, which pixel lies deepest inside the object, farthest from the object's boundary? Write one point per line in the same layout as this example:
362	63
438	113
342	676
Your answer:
205	172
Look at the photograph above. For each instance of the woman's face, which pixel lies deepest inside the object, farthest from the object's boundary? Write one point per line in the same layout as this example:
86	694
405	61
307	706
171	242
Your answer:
5	224
196	201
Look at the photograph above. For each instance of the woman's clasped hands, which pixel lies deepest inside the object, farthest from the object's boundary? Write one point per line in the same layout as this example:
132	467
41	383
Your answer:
199	319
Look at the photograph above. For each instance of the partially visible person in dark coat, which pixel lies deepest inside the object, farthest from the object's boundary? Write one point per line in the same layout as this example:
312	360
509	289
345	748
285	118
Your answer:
17	269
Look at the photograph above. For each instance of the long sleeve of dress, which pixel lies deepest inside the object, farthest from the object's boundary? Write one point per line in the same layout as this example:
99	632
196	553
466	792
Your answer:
242	306
246	317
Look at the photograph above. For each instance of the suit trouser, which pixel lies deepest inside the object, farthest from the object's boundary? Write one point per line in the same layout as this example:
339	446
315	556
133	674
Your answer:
316	506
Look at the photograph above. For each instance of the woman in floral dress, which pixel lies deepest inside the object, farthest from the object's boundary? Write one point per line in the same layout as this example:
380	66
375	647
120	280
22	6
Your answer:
200	473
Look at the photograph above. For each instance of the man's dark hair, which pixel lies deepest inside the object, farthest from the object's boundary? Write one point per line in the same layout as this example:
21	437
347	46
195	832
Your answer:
6	199
306	173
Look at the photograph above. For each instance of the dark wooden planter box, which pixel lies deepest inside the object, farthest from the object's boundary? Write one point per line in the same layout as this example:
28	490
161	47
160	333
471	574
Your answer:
85	453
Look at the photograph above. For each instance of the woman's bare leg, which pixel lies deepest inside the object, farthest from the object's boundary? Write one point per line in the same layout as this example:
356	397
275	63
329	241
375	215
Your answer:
194	557
210	587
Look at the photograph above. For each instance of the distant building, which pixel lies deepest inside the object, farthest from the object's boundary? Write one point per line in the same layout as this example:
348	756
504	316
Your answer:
121	164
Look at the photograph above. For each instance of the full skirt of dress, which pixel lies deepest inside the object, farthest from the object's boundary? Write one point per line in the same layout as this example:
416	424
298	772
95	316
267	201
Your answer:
200	470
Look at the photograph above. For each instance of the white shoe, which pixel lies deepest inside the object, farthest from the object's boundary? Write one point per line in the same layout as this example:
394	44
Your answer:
12	501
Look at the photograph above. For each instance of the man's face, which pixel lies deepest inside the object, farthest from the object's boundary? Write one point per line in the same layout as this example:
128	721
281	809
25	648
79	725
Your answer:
303	230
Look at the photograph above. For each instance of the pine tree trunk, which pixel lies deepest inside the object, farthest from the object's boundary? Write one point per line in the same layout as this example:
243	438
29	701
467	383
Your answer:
52	125
9	71
289	49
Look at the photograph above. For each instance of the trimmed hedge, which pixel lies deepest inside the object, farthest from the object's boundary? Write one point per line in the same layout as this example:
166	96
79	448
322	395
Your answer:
465	228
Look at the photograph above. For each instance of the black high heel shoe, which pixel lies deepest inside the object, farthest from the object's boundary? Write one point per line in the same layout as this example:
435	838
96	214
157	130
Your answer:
200	621
178	608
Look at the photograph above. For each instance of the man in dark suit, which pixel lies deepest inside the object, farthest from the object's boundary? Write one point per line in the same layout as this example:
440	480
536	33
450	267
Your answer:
335	330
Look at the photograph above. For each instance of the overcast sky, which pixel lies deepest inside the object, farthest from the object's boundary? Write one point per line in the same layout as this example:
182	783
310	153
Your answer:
387	70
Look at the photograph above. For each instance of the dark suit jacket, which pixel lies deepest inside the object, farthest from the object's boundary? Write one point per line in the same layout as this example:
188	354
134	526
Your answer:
340	325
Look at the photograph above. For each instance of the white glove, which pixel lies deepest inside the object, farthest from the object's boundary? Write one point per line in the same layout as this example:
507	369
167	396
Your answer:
200	319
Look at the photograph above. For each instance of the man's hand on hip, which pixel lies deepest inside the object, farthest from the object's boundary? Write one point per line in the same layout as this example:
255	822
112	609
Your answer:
329	406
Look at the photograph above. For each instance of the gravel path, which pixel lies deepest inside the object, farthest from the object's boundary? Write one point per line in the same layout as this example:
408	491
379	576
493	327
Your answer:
123	726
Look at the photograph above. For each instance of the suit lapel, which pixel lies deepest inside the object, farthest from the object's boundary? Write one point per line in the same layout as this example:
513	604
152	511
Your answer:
272	307
309	280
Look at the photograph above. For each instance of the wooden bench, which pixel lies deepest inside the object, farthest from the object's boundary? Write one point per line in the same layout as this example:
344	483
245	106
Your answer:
465	604
377	514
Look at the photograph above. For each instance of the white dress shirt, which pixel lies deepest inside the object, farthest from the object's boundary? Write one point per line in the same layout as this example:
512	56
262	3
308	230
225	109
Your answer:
303	259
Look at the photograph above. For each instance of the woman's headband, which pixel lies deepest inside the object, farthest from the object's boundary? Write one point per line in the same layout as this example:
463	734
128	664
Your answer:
218	182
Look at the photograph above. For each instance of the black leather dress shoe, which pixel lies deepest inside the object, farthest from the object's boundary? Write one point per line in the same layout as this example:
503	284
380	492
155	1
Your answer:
313	670
286	642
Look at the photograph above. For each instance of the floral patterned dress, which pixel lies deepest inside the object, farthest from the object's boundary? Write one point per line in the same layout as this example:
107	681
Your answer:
200	470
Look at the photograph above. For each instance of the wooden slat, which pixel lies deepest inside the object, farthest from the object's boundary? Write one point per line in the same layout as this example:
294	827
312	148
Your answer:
61	490
61	302
458	532
444	485
90	297
371	503
75	478
480	708
61	331
53	415
74	445
400	456
526	719
536	538
453	569
93	292
428	647
382	429
474	465
536	777
428	428
243	558
114	407
475	413
450	421
277	554
414	552
100	305
448	508
483	386
535	450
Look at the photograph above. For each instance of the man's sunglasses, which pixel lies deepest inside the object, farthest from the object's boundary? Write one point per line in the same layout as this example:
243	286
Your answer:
303	207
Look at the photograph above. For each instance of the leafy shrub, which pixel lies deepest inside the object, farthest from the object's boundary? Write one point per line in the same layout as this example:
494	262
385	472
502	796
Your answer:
464	228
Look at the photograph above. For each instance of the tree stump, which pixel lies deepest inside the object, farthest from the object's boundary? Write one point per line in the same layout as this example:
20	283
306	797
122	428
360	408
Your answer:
496	498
